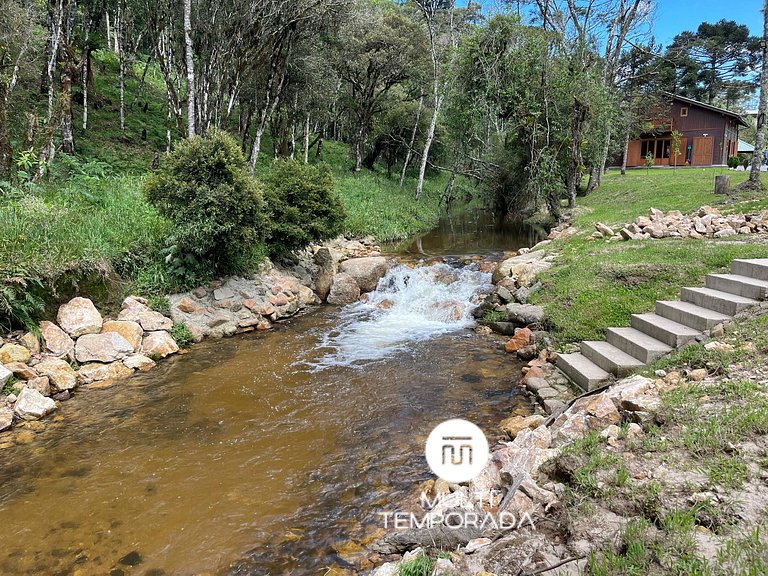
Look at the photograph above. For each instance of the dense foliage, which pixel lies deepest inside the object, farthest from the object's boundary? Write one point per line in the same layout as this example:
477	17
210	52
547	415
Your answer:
204	188
302	204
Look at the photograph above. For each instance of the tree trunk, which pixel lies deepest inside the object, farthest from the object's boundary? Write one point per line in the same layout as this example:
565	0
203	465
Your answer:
358	149
596	174
6	152
722	184
625	154
427	146
190	68
86	75
757	156
574	172
409	152
67	138
306	140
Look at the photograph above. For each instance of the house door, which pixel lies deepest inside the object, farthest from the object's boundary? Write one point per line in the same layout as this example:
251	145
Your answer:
702	151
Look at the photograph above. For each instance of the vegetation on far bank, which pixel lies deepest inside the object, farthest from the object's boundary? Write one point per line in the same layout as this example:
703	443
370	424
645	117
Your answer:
597	284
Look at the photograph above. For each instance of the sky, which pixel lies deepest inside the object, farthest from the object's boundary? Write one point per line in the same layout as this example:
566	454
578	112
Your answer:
675	16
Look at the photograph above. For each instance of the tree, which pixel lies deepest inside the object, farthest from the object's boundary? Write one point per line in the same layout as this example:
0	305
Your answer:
376	49
190	60
757	156
712	62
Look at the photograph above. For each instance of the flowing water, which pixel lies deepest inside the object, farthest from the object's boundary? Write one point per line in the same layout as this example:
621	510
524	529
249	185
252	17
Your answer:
259	454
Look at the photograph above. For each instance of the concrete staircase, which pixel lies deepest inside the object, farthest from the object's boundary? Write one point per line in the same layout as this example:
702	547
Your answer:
673	325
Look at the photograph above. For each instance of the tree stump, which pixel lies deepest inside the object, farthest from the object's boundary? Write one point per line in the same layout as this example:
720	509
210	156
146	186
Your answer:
722	184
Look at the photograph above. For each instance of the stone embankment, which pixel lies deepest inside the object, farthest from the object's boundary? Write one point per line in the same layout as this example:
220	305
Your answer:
85	348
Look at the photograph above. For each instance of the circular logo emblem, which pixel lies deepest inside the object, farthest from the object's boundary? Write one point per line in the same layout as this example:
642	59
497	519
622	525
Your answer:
456	450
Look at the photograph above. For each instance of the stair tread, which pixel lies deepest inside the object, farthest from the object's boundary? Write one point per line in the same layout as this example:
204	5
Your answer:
641	338
584	365
668	325
694	309
613	354
722	295
742	279
758	261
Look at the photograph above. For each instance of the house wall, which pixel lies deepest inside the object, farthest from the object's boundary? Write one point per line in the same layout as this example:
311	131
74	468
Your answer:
708	133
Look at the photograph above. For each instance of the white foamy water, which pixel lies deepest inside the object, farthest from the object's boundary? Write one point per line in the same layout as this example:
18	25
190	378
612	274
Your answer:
409	305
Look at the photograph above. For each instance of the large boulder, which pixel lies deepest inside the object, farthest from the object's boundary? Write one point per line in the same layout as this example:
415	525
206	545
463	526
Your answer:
14	353
522	268
344	290
139	362
524	314
107	347
131	331
57	342
366	271
96	372
78	317
31	405
21	370
323	283
159	345
60	374
135	310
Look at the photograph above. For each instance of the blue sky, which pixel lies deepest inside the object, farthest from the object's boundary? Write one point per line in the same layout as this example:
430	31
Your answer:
675	16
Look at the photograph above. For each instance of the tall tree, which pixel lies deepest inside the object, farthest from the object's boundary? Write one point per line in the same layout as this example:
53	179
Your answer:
190	61
757	156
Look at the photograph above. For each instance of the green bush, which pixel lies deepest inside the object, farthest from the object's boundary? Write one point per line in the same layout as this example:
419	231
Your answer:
733	161
182	334
204	188
303	205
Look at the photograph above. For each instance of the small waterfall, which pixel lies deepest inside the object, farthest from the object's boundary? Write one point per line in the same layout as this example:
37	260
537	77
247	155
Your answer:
409	305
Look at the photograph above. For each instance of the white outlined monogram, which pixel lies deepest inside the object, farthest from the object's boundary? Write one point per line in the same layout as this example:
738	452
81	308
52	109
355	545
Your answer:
456	450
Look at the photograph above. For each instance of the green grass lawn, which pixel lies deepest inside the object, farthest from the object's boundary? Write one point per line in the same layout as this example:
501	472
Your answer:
597	284
621	199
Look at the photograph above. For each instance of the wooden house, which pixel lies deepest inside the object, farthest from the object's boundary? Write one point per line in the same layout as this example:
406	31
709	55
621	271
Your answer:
708	136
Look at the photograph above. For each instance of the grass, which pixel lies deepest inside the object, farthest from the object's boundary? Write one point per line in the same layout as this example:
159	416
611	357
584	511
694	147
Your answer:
596	284
621	199
421	565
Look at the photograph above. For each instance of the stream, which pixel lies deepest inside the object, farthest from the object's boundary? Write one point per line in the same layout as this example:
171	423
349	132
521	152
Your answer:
265	453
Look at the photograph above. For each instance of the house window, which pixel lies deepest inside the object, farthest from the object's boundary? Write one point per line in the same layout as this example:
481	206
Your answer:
683	111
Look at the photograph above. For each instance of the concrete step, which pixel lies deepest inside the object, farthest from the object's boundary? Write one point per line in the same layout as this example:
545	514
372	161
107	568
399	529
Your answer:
637	344
689	314
581	370
722	302
610	358
754	268
664	330
739	285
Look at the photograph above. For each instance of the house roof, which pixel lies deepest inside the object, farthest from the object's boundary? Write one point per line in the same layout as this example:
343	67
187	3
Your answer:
746	147
723	111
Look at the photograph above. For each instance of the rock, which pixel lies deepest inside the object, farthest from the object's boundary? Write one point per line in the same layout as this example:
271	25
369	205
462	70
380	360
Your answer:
444	567
655	214
130	331
344	290
186	305
387	569
524	314
78	317
698	375
366	271
135	310
30	342
139	362
527	352
62	396
504	294
57	341
323	283
96	372
61	374
31	405
5	375
14	353
106	347
725	232
223	293
324	259
521	339
626	234
21	370
306	296
523	268
42	384
514	424
6	418
159	344
603	229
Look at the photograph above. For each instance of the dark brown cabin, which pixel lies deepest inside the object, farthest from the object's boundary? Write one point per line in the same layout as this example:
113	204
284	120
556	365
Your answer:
708	136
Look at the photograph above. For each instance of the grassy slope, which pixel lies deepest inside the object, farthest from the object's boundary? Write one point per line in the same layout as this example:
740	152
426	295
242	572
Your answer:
91	214
597	284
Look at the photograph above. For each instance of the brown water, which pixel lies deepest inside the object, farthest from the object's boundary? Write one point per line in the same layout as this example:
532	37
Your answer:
242	457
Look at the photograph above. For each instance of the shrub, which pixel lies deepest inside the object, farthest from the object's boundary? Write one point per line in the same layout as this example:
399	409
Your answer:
182	334
22	302
733	161
302	204
204	188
